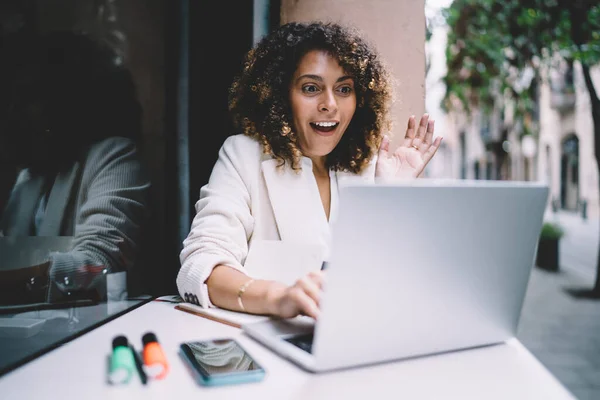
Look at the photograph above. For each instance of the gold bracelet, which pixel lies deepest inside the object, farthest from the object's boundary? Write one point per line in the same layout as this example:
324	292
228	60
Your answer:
241	291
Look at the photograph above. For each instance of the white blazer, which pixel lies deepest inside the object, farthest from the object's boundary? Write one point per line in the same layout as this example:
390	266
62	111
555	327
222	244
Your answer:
249	199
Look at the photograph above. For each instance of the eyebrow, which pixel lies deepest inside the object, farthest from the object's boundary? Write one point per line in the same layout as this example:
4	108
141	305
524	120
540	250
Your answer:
318	78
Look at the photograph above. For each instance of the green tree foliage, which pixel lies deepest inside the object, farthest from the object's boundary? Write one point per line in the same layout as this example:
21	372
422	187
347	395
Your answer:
488	39
492	44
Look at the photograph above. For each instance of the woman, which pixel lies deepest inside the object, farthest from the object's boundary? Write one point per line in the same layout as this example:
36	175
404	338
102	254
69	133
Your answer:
69	125
312	103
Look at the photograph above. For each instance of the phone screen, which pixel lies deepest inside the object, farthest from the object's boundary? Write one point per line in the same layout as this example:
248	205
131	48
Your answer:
223	358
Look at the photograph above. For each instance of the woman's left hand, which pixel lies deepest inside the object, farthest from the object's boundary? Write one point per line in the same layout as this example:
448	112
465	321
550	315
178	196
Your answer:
412	156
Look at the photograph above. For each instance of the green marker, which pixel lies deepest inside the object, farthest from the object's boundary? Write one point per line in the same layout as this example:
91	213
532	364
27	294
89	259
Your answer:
122	363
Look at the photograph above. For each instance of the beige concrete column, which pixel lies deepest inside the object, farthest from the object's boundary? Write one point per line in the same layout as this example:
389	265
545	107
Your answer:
396	28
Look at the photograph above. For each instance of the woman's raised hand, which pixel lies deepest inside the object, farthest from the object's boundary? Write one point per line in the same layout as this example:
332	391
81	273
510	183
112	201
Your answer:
414	153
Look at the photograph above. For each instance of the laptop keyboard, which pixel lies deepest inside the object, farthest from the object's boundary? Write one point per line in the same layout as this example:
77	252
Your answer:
303	342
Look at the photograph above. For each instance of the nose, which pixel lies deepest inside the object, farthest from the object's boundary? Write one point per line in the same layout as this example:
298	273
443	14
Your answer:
328	102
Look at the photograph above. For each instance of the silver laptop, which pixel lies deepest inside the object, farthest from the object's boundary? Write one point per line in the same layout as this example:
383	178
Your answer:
417	269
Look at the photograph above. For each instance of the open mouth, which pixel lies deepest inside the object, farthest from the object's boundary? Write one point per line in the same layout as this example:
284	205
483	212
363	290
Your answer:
324	127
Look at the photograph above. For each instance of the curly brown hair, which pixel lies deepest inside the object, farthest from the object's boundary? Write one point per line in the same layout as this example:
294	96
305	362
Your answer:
259	96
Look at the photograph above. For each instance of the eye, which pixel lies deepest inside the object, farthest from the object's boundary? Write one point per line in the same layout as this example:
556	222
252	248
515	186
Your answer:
346	90
310	89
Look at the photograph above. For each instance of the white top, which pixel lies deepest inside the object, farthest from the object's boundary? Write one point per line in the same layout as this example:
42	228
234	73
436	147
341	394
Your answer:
333	211
335	195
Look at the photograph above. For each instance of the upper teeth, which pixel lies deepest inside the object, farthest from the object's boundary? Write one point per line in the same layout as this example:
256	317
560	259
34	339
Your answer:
325	123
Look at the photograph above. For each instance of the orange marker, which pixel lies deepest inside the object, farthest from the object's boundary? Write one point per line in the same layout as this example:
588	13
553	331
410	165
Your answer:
155	361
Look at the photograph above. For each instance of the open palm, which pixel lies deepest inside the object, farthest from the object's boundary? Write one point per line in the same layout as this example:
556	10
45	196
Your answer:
412	156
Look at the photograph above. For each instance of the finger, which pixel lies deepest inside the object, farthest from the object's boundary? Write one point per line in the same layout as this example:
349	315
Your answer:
422	127
317	277
432	149
423	144
429	133
417	144
305	304
384	146
410	132
311	288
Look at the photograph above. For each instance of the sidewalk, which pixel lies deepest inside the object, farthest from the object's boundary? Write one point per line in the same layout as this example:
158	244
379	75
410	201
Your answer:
563	332
579	246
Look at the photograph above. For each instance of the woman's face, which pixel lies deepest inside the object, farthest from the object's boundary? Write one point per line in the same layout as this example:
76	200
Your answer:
323	102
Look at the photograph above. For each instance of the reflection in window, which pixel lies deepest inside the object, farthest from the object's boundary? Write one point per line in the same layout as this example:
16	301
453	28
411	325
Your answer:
70	124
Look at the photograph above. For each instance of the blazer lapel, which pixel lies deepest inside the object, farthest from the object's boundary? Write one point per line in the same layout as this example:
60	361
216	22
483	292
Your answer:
58	201
295	201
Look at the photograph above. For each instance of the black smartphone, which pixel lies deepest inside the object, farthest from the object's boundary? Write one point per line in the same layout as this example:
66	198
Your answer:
221	362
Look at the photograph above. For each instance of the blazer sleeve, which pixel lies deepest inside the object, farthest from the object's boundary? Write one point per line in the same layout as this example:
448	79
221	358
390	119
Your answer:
223	223
110	216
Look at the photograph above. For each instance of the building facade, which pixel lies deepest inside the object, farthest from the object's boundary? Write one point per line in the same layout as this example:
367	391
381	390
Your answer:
566	157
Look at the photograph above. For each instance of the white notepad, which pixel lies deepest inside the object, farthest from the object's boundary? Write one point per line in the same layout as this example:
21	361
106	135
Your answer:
283	261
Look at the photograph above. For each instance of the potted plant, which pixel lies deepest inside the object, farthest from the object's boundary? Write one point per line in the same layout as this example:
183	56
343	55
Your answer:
547	250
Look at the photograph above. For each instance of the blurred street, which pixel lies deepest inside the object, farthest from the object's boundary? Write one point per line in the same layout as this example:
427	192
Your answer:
579	247
563	331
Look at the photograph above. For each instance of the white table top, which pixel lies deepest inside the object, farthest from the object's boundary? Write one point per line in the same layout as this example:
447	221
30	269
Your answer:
78	369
